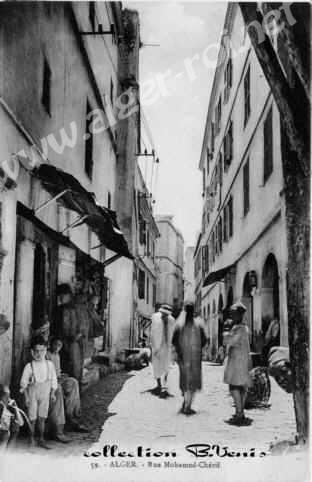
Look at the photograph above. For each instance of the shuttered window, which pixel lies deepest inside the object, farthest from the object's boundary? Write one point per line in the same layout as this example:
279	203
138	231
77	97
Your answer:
46	87
141	285
225	224
147	289
228	79
268	146
88	163
228	147
247	96
220	237
208	160
142	231
246	192
230	214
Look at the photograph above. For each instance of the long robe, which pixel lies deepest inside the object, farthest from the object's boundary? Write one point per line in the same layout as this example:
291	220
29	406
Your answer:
188	339
237	362
161	344
68	330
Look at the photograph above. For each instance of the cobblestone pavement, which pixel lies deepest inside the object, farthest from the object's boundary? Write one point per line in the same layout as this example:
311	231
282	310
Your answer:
141	417
120	410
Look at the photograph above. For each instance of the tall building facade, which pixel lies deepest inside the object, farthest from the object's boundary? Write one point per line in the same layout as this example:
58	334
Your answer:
169	259
60	166
242	251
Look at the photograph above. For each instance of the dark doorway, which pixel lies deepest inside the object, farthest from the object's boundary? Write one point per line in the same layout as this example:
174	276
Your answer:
269	292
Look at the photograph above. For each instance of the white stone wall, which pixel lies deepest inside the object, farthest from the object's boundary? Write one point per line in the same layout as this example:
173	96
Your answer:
262	230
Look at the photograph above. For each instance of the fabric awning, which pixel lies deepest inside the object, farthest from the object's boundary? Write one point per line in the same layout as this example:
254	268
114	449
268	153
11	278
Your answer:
217	275
74	196
108	232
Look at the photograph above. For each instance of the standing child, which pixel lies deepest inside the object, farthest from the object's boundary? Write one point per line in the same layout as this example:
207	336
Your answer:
237	363
39	384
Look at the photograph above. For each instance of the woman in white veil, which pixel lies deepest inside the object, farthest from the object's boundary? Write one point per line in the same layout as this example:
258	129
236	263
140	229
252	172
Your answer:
188	339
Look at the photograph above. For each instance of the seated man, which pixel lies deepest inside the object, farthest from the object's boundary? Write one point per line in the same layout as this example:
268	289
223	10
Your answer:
69	388
279	367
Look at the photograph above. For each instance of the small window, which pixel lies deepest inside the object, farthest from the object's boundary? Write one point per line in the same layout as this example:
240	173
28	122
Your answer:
109	200
141	285
225	224
142	231
228	79
154	295
218	115
220	237
228	147
246	192
88	143
147	289
92	15
230	215
46	87
207	159
267	147
247	96
148	243
112	93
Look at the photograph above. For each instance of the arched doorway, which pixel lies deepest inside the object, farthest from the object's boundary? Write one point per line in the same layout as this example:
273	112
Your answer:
269	292
247	301
230	297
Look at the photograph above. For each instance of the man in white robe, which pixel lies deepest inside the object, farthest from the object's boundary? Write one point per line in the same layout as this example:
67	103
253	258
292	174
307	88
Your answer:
161	335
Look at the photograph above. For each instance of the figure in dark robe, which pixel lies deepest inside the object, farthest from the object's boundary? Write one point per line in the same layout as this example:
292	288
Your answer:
189	338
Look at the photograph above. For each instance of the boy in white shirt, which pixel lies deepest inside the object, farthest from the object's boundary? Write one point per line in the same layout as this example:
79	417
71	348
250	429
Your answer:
39	384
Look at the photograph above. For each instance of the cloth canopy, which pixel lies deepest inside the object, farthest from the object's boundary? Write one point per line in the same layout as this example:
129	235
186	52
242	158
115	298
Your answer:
101	220
217	275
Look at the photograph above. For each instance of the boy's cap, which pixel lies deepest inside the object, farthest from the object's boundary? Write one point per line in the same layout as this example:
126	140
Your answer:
238	306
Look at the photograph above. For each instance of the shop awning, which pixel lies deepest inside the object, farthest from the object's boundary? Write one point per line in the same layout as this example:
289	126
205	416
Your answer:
108	232
71	194
217	275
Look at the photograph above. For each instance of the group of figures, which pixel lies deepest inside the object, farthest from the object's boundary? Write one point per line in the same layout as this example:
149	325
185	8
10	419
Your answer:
51	381
187	336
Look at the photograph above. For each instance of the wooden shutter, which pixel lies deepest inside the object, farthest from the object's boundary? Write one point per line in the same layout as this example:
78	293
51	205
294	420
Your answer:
246	193
230	214
268	146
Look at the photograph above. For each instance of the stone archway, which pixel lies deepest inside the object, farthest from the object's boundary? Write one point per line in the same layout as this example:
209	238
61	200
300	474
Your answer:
270	303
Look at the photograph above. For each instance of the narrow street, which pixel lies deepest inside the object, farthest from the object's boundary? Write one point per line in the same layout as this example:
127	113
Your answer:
120	410
141	418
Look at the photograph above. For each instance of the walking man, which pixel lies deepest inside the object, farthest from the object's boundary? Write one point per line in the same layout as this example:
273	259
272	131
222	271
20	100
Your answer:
189	338
161	335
